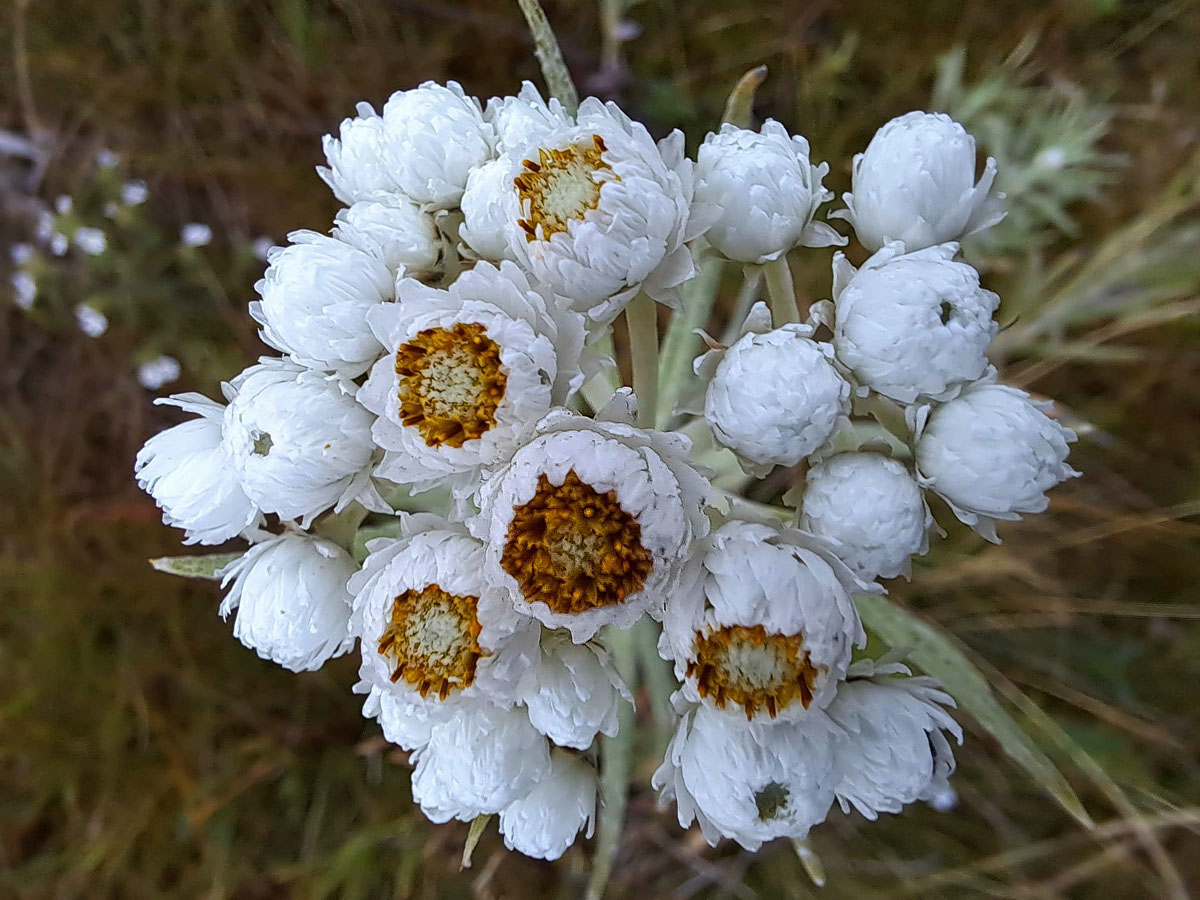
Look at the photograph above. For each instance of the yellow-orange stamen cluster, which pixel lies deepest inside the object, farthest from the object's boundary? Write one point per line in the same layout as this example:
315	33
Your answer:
560	186
434	638
450	383
575	549
748	667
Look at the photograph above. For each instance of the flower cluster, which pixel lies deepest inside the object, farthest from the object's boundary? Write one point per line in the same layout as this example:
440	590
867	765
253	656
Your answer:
435	350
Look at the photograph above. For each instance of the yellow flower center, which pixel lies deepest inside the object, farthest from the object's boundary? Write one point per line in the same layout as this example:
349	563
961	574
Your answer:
434	638
561	186
748	667
575	549
450	383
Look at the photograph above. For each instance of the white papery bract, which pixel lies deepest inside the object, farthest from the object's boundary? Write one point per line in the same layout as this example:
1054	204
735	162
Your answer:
751	781
433	135
436	639
488	205
468	373
478	762
913	325
291	600
767	626
896	752
524	118
760	191
916	184
871	509
603	212
991	453
394	230
573	692
187	471
591	522
357	166
775	396
298	441
315	297
544	823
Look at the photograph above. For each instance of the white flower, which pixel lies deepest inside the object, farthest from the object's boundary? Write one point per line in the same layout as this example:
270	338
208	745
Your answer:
896	752
91	241
107	159
134	193
187	472
24	289
298	441
436	638
291	600
357	167
468	373
315	297
20	253
63	204
913	325
767	627
871	509
524	118
195	234
603	212
751	781
59	243
572	694
991	453
488	205
433	136
261	247
775	396
916	184
544	823
90	320
590	523
392	229
761	192
478	762
157	372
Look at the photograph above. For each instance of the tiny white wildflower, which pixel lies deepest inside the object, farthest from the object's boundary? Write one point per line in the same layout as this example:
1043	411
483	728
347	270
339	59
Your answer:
64	204
155	373
59	243
92	241
24	289
261	247
107	159
195	234
20	253
90	320
134	193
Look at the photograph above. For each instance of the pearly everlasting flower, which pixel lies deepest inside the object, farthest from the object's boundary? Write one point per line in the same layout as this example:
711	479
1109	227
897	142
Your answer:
761	192
188	473
91	241
751	781
767	626
291	600
134	193
24	289
155	373
991	453
775	396
315	297
871	509
591	522
573	692
916	184
433	136
544	823
602	212
298	441
478	762
468	373
90	320
489	204
357	166
394	230
913	325
896	752
524	118
436	638
195	234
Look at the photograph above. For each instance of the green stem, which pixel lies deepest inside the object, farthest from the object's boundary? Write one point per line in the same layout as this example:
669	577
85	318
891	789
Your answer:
781	291
549	55
641	318
682	344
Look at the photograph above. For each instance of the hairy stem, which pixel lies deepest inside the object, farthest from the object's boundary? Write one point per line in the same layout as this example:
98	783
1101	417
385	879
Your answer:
641	318
549	56
781	291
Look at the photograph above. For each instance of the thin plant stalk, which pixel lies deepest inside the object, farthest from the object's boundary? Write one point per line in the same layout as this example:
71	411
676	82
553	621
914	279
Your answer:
781	291
549	56
641	318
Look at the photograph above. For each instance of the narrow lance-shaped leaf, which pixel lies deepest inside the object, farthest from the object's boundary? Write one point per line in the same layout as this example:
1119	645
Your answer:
204	566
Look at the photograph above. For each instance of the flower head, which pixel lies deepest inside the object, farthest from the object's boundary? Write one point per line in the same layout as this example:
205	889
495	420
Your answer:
357	166
392	229
524	118
573	692
544	823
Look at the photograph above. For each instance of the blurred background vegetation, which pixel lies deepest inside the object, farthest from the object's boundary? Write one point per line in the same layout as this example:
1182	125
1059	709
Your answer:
144	753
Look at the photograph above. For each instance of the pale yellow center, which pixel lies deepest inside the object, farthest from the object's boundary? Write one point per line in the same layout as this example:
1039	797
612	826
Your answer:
561	186
434	638
753	669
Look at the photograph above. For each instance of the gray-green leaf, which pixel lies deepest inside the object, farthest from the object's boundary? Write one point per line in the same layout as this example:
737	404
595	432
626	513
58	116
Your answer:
205	566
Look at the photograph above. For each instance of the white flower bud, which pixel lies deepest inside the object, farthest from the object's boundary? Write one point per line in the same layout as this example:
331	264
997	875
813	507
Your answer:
991	453
291	600
915	325
573	693
393	230
357	167
488	205
871	509
544	823
761	192
916	184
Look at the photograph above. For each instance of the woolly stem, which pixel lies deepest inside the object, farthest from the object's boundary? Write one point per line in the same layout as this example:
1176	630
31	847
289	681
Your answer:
549	56
781	291
641	318
681	344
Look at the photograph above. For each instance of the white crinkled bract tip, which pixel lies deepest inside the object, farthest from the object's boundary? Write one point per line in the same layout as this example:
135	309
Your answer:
916	184
573	692
357	168
760	192
393	230
871	509
545	823
913	325
523	118
591	522
991	453
291	600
